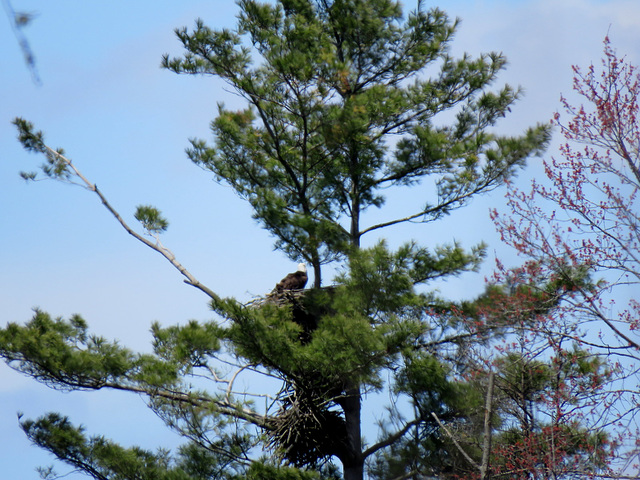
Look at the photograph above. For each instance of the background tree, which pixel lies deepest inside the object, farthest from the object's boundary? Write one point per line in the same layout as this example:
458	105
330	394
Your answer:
533	398
586	217
341	107
549	392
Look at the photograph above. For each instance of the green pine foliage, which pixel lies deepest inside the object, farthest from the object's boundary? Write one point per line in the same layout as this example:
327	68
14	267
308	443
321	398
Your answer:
328	86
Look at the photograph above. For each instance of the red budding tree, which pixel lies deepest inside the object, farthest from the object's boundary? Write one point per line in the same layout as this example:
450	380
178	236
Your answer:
544	391
581	227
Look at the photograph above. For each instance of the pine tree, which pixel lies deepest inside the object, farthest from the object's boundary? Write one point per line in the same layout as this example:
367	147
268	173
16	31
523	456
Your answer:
345	99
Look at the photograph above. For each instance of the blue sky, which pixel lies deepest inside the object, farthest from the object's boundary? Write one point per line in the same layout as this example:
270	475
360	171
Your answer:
125	123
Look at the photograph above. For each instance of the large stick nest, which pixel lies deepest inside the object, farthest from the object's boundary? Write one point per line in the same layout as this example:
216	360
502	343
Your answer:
305	430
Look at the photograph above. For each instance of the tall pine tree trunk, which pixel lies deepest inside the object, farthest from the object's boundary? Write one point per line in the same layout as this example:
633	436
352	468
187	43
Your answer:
352	461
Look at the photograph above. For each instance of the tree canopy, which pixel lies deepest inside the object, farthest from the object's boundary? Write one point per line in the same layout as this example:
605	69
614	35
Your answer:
344	100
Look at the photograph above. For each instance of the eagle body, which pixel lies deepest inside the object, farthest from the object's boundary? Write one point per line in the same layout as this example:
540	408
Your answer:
293	281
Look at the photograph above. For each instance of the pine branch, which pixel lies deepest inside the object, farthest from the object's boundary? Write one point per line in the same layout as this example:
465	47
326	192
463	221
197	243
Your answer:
405	476
223	407
436	210
391	438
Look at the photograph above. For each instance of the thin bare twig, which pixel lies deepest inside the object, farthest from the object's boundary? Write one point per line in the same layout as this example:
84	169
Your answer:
455	442
18	21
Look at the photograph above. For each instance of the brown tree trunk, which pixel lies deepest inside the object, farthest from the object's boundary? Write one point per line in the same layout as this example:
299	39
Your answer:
352	461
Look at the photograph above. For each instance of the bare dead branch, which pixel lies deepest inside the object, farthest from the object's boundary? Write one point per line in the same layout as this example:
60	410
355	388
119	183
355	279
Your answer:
486	443
455	442
158	247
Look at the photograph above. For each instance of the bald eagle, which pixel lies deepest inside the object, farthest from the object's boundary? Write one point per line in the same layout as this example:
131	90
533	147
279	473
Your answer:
293	281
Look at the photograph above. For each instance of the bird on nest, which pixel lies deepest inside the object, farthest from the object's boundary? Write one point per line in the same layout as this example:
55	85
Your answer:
293	281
